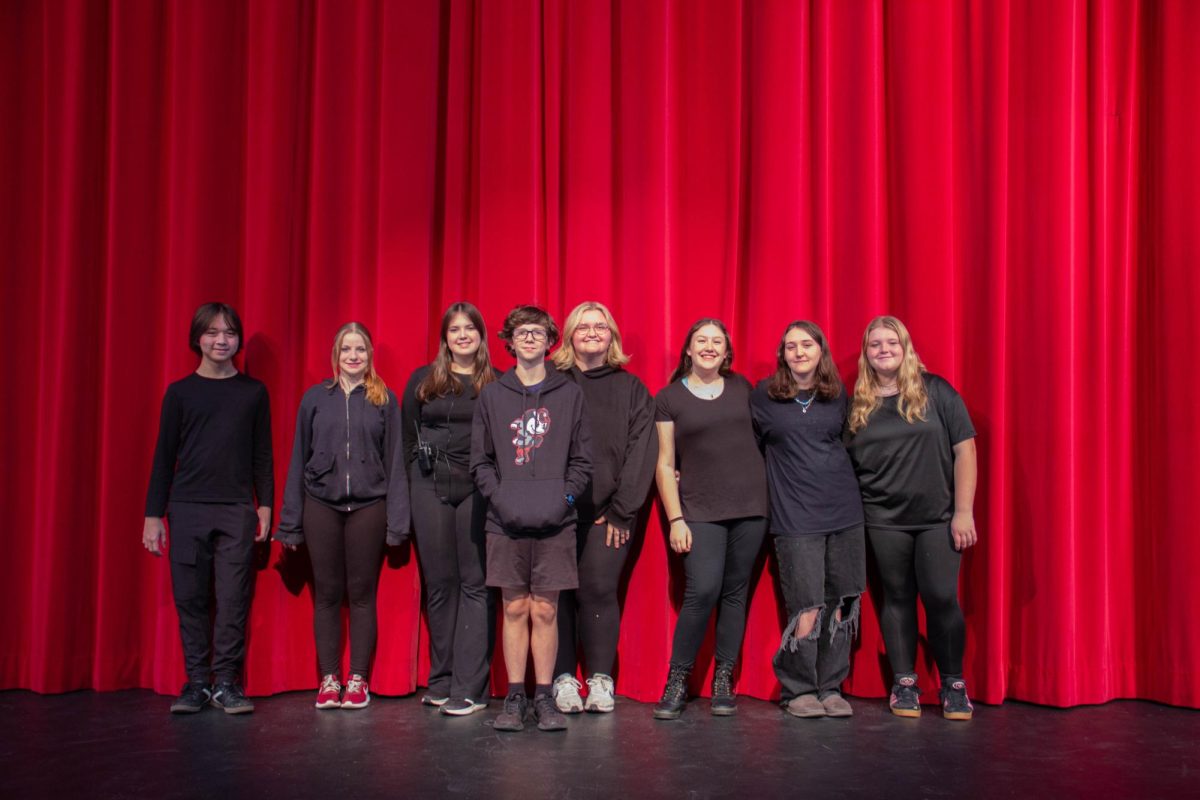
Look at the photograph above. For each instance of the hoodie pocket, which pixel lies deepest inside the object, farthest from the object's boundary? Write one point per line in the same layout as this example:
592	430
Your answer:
531	506
317	473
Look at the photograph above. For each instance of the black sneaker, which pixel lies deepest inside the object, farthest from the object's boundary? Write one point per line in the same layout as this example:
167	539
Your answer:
462	707
549	718
955	703
723	702
906	695
512	718
195	696
230	697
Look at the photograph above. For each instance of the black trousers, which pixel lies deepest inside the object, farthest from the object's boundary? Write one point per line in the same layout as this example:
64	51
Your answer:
212	555
346	550
920	562
592	611
459	607
718	571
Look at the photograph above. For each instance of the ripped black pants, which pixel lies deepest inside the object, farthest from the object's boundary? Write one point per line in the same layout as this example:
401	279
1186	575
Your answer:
826	573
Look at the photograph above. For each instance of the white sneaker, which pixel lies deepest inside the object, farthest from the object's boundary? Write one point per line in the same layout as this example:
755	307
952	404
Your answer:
600	694
566	694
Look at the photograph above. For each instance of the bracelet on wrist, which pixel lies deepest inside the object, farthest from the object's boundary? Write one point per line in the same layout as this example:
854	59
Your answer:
673	520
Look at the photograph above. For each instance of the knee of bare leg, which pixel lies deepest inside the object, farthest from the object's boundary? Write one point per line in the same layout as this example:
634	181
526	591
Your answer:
544	609
516	606
806	624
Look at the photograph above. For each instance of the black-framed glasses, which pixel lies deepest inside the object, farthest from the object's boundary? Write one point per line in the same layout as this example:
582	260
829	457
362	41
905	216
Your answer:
536	334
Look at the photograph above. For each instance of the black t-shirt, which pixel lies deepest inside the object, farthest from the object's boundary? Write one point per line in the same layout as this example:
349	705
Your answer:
214	444
906	470
721	472
811	482
445	421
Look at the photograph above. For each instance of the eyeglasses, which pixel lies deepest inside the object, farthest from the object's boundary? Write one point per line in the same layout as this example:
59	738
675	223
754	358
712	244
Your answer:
599	329
536	334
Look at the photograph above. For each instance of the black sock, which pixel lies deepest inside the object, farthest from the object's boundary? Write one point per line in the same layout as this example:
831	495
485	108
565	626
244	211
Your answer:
516	690
542	688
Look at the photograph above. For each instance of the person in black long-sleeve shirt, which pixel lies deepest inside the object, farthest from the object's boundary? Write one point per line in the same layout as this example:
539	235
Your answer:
346	494
438	406
620	415
212	464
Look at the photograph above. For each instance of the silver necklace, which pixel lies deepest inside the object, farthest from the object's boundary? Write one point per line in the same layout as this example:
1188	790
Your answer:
705	392
804	404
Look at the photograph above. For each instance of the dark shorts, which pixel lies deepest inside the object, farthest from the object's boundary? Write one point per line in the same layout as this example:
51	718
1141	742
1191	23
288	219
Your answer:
545	564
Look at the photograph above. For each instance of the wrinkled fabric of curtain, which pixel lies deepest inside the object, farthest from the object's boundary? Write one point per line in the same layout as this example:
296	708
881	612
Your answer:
1018	181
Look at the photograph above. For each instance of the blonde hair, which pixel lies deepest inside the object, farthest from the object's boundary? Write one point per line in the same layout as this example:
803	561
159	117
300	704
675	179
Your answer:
377	391
909	379
564	357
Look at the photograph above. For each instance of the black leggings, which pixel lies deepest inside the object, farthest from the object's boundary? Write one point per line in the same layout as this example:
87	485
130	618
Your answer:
346	550
920	562
717	569
595	602
458	604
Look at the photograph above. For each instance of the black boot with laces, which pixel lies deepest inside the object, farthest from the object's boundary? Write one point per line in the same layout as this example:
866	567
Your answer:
674	697
723	702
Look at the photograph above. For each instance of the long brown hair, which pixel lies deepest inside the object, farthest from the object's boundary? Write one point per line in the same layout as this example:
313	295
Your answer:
826	382
910	379
685	361
377	391
440	380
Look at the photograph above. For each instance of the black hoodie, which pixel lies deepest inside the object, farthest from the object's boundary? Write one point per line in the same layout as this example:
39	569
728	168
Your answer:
620	417
530	449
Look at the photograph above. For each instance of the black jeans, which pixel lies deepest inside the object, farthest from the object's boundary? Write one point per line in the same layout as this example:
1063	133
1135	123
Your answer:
346	550
212	553
459	607
717	570
594	603
826	573
920	562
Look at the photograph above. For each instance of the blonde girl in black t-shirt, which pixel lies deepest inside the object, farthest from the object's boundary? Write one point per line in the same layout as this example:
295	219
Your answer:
913	448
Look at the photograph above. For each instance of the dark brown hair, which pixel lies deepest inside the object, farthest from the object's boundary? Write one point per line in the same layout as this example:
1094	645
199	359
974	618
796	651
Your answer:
685	361
439	381
826	381
528	315
205	316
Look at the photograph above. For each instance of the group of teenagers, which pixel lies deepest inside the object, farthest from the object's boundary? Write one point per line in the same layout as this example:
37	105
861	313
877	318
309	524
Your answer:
532	482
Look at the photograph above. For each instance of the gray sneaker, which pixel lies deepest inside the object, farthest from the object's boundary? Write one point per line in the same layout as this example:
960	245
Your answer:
548	716
566	694
512	718
600	694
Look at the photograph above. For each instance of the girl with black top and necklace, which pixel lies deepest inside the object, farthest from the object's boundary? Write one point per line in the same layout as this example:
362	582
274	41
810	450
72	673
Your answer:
620	413
448	512
716	507
816	517
913	448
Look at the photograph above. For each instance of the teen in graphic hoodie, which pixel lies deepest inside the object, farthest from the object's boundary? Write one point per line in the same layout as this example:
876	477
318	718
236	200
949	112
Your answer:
530	459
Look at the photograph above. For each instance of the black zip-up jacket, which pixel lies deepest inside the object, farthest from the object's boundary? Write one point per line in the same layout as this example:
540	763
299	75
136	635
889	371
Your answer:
620	418
530	450
348	454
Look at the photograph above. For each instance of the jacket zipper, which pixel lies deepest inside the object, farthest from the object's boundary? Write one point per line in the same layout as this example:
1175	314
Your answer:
347	452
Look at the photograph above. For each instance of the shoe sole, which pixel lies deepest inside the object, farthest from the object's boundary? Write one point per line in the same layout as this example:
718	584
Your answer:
959	716
436	702
596	708
463	712
911	713
551	727
838	714
520	726
177	709
723	712
328	704
806	714
228	710
667	714
363	704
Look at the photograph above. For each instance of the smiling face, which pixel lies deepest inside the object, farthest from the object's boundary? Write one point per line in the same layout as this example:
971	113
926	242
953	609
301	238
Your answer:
529	342
463	338
884	352
218	342
802	354
592	336
707	348
354	357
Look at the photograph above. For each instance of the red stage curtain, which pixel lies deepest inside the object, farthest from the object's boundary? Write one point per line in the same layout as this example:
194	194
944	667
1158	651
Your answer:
1018	181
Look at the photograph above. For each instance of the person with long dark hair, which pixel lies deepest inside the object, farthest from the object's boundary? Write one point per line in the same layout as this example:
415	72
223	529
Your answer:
620	415
346	494
912	444
438	407
530	459
214	481
816	519
713	487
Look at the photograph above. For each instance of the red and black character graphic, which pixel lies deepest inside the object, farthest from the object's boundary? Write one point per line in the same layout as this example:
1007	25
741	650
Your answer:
531	429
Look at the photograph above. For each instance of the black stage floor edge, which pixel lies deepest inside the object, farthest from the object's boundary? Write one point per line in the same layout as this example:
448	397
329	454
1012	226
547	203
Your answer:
126	744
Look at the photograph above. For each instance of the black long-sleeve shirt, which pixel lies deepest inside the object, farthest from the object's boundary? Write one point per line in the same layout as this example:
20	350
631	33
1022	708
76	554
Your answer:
214	444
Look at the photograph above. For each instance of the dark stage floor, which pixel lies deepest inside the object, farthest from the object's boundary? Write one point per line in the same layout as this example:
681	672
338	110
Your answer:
125	744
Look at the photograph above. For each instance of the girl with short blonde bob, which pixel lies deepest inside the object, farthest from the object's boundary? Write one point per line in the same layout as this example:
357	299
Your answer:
912	444
564	357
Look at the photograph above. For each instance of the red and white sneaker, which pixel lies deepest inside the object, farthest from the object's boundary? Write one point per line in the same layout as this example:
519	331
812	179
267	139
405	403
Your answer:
330	693
357	695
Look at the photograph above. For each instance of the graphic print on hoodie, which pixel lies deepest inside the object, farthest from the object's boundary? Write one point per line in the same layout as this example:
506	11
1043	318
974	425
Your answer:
546	434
